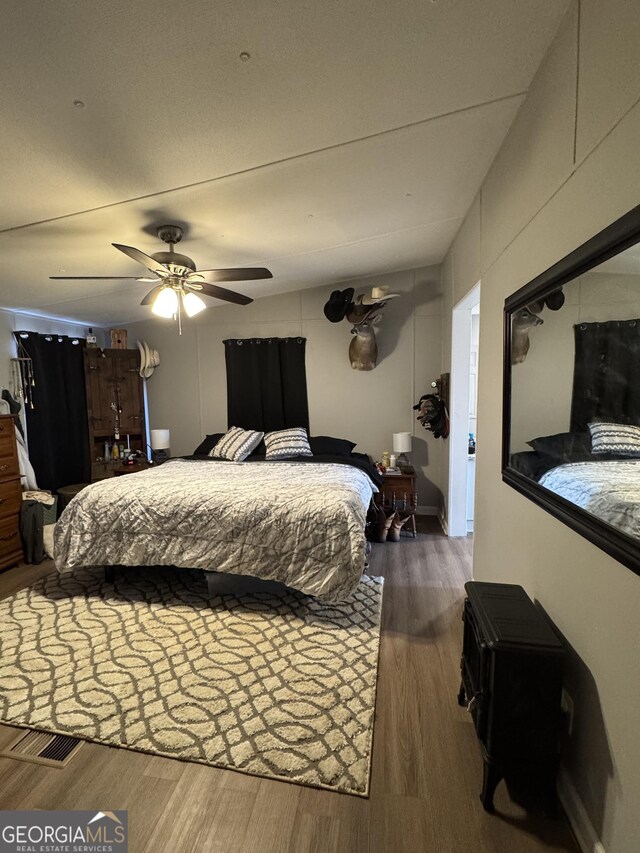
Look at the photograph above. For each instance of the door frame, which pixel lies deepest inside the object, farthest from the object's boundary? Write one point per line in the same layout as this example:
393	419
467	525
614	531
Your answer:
459	411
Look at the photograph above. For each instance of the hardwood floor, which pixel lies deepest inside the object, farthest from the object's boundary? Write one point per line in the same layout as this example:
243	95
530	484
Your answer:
426	774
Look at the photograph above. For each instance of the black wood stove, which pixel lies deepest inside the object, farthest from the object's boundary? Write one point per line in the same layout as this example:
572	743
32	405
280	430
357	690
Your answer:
511	684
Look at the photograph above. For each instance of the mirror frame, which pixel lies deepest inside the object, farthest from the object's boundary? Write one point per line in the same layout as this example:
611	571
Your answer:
617	237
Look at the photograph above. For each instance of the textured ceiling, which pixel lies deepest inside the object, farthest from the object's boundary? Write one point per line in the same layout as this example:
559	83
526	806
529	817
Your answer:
351	142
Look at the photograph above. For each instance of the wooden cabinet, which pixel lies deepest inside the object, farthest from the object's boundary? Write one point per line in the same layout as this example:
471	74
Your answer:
115	404
10	495
398	492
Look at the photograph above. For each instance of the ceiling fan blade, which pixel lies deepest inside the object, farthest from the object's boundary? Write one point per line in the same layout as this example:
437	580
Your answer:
205	288
152	295
237	274
143	259
95	278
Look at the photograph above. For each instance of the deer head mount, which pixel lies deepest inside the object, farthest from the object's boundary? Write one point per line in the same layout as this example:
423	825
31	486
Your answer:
362	314
526	319
363	349
523	321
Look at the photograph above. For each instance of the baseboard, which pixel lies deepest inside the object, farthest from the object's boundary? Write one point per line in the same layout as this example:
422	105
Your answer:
583	829
427	510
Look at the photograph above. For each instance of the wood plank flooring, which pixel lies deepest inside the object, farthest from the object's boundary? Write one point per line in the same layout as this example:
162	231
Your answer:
426	773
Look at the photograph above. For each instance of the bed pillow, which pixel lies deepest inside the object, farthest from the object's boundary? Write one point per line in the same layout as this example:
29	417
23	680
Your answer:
209	442
325	445
621	439
564	446
236	444
286	443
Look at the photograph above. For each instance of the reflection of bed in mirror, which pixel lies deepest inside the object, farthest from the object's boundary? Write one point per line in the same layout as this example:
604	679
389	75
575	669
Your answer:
610	490
598	379
572	362
604	481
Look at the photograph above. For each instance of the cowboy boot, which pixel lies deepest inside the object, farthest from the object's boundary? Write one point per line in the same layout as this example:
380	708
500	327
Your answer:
382	526
397	524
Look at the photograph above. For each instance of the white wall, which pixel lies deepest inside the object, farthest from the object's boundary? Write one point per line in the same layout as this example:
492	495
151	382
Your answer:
568	168
188	394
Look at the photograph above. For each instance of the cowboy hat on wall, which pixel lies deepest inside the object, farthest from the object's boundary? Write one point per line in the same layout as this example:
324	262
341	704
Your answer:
149	359
378	295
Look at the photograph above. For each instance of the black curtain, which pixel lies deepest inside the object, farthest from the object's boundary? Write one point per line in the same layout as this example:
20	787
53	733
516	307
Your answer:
605	373
57	427
266	383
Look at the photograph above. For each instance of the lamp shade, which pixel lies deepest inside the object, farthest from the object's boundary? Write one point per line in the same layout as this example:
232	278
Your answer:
192	304
160	439
402	442
166	303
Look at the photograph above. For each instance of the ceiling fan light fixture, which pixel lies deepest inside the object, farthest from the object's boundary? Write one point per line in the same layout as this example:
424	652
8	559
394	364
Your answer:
166	303
192	304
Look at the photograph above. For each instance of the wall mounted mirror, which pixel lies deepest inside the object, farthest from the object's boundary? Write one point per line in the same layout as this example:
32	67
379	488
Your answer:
571	408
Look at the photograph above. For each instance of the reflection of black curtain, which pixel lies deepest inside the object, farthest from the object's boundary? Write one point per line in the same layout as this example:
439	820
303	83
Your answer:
266	383
605	373
57	428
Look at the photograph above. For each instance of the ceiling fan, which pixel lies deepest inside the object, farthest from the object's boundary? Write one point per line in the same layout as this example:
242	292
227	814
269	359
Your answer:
179	282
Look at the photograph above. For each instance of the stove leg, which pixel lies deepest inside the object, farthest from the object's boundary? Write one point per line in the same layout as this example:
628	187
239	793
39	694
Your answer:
491	776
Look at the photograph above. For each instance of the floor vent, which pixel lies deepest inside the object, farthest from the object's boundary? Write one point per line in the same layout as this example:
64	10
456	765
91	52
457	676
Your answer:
43	748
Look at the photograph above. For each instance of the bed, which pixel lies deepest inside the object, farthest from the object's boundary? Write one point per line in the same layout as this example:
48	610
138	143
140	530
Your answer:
603	479
298	522
609	489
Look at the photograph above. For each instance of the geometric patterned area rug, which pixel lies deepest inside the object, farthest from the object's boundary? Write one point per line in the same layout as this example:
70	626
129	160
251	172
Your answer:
276	685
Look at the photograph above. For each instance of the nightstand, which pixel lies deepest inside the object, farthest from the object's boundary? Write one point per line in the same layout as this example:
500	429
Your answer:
398	492
131	469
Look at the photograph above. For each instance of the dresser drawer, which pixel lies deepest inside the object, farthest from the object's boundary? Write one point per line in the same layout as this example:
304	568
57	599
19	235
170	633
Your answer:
398	488
10	497
10	542
8	454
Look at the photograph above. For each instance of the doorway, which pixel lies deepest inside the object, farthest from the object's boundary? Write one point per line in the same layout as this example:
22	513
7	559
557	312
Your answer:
463	392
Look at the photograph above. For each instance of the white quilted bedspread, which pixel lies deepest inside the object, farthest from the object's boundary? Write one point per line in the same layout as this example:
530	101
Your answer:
298	523
608	489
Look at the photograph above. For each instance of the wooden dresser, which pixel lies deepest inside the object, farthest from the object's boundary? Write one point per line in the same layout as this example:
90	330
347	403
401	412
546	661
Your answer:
10	495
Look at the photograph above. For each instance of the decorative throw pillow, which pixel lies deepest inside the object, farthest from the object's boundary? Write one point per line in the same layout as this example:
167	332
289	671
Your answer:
236	444
207	444
623	439
565	446
325	445
286	443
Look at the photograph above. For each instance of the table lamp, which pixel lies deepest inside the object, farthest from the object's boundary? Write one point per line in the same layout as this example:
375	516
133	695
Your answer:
402	445
160	444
